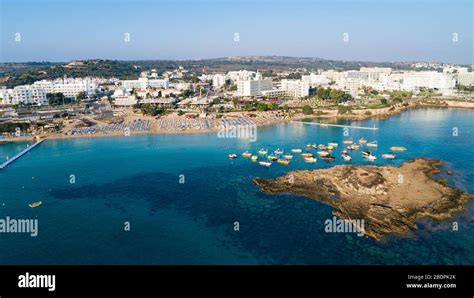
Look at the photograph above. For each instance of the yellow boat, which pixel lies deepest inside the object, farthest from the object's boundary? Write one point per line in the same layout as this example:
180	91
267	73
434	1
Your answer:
246	154
308	146
396	148
330	147
254	157
283	162
35	204
307	154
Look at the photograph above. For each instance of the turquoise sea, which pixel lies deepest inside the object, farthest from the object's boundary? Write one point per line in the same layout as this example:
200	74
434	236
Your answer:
136	179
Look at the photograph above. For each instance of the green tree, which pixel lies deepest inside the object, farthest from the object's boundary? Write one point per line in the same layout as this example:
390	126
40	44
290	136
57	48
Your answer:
56	99
307	110
262	106
81	95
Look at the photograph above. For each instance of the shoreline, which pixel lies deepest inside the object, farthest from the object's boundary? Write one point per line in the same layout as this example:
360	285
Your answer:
359	115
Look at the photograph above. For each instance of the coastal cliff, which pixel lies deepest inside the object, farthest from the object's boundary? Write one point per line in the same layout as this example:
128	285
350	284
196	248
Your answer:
389	199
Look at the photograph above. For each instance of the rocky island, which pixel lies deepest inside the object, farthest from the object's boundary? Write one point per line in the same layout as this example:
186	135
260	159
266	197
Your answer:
389	199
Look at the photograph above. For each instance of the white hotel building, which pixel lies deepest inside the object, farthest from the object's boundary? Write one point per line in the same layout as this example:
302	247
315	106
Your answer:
254	86
37	92
144	83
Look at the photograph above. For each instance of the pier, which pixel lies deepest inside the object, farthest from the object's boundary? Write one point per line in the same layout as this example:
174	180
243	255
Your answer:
23	152
337	125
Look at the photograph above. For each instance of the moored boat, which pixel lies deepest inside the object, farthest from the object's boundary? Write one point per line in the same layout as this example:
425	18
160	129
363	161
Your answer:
334	144
372	144
232	156
35	204
263	151
246	154
347	141
307	154
288	156
346	157
366	153
254	157
296	150
265	163
328	158
370	157
272	157
322	147
397	148
278	151
362	141
283	161
310	159
323	153
388	156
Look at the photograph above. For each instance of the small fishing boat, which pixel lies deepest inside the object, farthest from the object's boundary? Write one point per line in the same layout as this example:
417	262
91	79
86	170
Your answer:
388	156
254	157
322	147
347	141
35	204
307	154
296	150
265	163
288	156
366	153
246	154
329	147
346	157
343	152
362	141
263	151
334	144
355	146
352	147
372	144
370	157
232	156
278	151
310	159
308	146
397	148
283	162
272	157
328	158
322	153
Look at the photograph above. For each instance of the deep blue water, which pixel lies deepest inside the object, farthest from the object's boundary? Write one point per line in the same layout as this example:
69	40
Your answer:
137	179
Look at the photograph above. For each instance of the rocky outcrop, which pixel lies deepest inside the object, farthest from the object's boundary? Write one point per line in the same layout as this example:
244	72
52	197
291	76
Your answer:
389	199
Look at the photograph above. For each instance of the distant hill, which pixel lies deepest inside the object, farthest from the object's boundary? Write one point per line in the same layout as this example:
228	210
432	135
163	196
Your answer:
13	74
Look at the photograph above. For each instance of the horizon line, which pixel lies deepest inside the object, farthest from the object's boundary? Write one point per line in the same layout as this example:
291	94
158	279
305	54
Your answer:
231	57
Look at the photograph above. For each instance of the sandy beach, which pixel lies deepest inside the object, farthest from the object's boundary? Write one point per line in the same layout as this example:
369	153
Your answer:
258	119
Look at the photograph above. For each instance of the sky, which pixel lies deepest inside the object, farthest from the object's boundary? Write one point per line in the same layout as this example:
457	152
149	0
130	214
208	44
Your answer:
357	30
